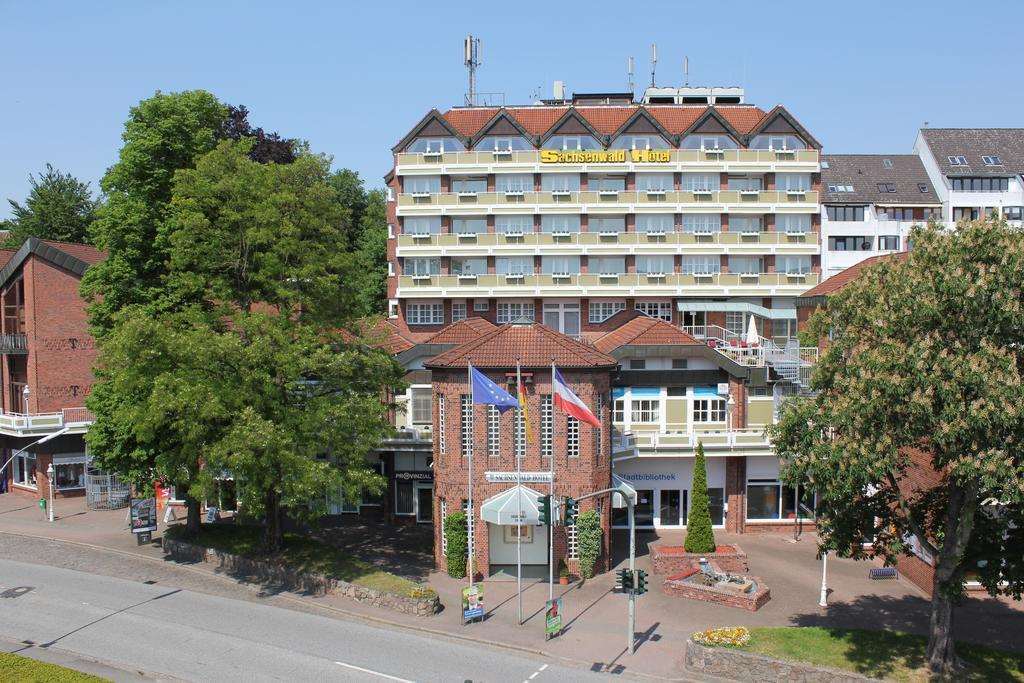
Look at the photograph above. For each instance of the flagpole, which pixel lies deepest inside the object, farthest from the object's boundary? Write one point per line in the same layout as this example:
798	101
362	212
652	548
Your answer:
469	495
519	494
551	494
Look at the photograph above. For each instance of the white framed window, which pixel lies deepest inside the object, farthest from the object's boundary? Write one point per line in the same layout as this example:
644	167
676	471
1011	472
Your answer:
560	265
424	314
520	432
746	183
493	431
645	410
469	265
421	225
514	224
793	223
619	410
513	182
598	442
469	226
606	183
700	182
513	265
599	311
708	142
571	142
420	402
654	182
702	223
793	182
444	537
745	265
889	242
655	309
481	305
546	425
421	266
458	311
639	142
441	436
607	224
793	265
748	225
709	410
466	424
701	264
434	146
777	142
560	182
606	265
563	316
572	544
512	310
957	160
393	308
735	322
504	144
422	184
655	222
655	264
572	437
560	223
25	469
469	184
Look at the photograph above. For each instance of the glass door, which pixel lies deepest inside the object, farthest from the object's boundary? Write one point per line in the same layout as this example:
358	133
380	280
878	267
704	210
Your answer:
670	507
425	503
563	317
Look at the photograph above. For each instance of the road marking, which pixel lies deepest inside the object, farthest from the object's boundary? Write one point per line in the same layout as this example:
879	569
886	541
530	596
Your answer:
536	673
375	673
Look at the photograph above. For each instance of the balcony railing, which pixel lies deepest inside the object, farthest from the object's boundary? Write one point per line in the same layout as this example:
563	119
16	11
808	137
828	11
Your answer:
590	197
796	241
668	282
698	158
41	423
790	360
753	437
13	343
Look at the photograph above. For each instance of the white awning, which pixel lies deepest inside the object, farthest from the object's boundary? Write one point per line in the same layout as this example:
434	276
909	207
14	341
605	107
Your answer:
517	505
737	306
624	486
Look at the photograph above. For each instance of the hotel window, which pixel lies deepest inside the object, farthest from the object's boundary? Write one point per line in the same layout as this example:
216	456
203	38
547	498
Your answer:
849	243
424	314
493	431
513	265
966	213
932	213
889	242
981	184
546	425
25	469
745	265
421	407
777	142
784	328
702	223
563	223
607	183
639	142
746	183
469	265
699	182
512	311
571	142
434	145
513	182
656	265
469	226
516	224
1013	213
709	409
608	224
520	432
735	322
655	309
469	184
895	213
466	423
655	222
441	438
845	213
747	225
771	499
560	265
654	182
599	311
645	411
704	264
504	144
793	182
619	410
458	312
422	184
793	265
708	142
572	437
793	223
607	265
560	182
421	266
425	225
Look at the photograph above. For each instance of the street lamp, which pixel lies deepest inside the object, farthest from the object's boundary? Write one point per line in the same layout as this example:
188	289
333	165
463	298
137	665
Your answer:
49	476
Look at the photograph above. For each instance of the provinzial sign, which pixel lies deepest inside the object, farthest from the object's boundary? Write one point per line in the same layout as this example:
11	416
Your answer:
472	603
604	156
414	476
510	477
143	515
552	618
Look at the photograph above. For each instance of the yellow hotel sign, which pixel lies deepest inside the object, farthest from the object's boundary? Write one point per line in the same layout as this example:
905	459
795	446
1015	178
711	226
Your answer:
604	156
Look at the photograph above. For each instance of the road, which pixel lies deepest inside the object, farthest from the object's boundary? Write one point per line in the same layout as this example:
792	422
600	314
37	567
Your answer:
175	633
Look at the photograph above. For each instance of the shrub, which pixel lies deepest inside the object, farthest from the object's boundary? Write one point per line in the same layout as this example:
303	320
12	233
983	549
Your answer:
455	537
700	537
588	539
736	636
563	570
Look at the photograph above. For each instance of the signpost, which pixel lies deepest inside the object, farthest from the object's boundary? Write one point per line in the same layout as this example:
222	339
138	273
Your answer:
552	618
143	519
472	603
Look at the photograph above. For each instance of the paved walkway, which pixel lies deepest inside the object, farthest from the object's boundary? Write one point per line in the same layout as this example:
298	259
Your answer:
595	616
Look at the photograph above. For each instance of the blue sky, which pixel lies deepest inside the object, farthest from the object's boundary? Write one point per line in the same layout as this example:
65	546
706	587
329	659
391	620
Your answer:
352	78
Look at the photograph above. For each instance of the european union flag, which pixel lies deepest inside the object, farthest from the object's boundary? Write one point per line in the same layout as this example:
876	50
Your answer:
487	392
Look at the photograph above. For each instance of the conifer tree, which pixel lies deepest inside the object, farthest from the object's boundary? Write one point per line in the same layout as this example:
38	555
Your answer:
700	537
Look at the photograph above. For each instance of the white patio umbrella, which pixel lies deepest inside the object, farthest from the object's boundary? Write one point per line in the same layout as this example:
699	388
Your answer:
753	338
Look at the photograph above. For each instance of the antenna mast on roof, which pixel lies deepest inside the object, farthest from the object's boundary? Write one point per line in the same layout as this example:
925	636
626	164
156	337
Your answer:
471	58
686	71
630	66
654	61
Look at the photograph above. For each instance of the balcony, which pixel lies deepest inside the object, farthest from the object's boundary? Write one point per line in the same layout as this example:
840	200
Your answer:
679	159
639	443
13	344
76	420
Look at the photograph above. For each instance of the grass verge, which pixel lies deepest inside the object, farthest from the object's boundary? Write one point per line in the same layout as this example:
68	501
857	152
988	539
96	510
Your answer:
888	655
18	669
302	554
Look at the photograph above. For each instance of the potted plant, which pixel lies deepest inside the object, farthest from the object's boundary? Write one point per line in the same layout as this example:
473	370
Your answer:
563	573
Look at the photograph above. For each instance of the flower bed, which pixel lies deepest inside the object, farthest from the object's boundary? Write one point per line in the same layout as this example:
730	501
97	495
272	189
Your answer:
735	636
673	559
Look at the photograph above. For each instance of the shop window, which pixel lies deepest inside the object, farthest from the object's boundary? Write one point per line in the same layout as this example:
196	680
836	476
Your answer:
404	498
69	474
771	499
25	469
643	511
672	507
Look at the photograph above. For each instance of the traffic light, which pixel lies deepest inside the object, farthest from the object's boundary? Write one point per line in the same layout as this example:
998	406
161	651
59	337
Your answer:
624	580
641	582
572	509
545	510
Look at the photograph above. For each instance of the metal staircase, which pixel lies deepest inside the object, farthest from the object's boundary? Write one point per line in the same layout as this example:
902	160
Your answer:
791	362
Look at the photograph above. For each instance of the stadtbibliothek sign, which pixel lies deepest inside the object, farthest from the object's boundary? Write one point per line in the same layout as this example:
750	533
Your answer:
526	477
604	156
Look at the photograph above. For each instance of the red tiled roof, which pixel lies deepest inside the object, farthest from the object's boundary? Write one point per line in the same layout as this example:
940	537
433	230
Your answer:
463	331
381	334
644	331
82	252
533	346
845	277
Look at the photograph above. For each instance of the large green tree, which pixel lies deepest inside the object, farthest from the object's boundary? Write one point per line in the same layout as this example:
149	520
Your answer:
372	255
923	374
58	207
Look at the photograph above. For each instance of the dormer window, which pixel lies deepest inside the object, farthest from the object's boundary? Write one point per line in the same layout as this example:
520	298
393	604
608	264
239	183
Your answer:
957	160
435	146
494	143
708	142
571	142
640	142
992	160
779	143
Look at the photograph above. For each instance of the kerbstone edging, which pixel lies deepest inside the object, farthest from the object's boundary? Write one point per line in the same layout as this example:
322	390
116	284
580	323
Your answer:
290	579
737	665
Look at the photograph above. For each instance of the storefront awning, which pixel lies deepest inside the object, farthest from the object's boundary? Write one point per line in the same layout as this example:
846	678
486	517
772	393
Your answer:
738	307
517	505
624	486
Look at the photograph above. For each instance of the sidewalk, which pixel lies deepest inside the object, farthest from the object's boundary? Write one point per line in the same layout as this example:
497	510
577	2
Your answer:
595	617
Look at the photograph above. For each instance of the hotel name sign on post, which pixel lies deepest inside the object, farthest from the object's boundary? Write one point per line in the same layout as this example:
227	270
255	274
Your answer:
604	156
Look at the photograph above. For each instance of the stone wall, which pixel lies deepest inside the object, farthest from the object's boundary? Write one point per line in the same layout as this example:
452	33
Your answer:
694	591
669	560
280	575
736	665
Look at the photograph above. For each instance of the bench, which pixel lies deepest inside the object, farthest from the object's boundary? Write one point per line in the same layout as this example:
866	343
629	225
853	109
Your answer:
882	573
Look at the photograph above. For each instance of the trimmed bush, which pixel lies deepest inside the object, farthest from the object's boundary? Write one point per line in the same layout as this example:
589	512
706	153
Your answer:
700	537
588	539
455	536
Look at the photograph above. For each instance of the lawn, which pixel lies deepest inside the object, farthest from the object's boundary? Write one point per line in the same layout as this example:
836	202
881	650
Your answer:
304	554
880	654
19	669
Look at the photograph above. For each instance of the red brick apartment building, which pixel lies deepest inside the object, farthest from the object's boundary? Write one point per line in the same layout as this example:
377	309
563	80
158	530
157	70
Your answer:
47	367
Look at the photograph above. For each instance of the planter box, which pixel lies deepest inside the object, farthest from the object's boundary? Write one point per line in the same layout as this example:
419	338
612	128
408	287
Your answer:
673	559
262	571
736	665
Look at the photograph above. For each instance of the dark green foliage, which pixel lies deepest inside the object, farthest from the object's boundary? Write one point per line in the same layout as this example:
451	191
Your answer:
455	534
58	207
588	539
700	537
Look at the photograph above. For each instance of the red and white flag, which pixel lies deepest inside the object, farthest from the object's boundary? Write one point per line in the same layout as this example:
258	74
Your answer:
570	403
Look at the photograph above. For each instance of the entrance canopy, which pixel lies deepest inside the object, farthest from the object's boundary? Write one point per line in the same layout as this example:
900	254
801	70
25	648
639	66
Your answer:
504	508
687	306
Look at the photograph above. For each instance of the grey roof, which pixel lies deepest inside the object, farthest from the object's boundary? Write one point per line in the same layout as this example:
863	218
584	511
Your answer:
52	252
974	143
864	172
